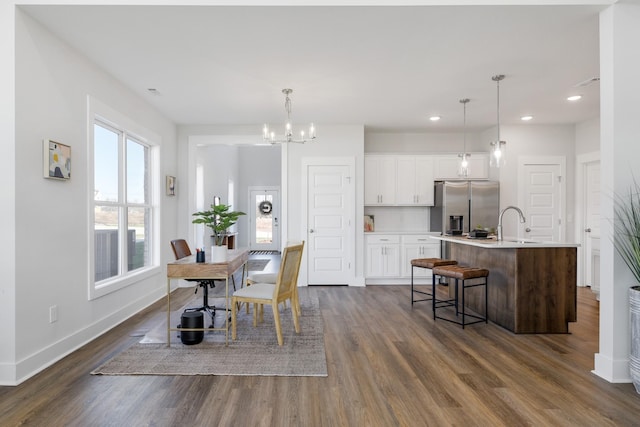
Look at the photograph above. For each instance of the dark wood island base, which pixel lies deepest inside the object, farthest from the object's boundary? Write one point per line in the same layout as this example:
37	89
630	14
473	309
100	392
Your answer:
532	287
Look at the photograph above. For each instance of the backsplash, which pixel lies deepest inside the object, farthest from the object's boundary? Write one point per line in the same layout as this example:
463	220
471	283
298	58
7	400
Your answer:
399	218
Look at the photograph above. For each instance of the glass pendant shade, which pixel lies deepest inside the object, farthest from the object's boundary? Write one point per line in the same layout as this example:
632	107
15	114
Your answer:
497	157
463	166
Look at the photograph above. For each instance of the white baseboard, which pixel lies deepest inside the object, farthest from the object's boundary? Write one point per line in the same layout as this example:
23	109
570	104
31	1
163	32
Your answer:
612	370
31	365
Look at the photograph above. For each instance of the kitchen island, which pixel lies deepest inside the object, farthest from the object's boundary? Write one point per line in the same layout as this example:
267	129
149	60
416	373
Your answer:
532	285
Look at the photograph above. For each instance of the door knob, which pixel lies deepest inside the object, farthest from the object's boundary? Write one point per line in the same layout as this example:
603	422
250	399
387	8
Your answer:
527	229
311	230
588	230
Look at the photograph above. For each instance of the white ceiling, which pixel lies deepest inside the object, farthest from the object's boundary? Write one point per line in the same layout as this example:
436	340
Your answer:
388	68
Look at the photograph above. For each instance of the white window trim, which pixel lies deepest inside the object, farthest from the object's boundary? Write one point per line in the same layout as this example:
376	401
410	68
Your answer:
106	114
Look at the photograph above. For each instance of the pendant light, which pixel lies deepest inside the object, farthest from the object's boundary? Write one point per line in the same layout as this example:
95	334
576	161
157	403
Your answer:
463	167
498	146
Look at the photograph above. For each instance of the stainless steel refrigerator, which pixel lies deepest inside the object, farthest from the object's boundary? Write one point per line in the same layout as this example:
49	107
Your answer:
465	205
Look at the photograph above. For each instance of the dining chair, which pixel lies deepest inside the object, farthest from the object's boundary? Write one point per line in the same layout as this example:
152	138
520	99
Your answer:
180	250
285	288
269	278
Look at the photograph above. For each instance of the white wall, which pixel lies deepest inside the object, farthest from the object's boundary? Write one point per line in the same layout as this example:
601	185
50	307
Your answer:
259	166
522	140
7	195
52	231
619	153
427	143
588	136
535	140
333	141
246	166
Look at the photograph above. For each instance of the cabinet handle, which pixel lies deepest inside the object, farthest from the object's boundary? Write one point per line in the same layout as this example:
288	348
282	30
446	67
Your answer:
384	240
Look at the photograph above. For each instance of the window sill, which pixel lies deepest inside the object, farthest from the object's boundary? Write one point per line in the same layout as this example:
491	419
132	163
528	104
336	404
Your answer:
109	286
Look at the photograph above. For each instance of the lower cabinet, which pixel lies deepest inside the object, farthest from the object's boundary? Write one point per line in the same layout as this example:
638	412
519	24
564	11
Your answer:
383	256
390	255
418	247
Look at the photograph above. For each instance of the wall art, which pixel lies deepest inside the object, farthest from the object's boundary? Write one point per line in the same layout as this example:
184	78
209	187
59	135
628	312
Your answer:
56	160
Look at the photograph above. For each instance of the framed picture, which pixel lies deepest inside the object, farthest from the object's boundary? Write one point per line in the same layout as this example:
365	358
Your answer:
171	185
56	160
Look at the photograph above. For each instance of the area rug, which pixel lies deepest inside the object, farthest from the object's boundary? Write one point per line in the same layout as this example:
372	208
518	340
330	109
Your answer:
255	353
257	264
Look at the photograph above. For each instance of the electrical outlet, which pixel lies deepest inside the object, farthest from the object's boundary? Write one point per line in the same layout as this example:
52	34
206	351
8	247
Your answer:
53	313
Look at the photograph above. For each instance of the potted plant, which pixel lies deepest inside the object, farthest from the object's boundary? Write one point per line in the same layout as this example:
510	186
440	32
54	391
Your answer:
219	218
626	240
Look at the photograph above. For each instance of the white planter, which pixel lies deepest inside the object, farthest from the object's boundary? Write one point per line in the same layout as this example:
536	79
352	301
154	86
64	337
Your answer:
219	253
634	317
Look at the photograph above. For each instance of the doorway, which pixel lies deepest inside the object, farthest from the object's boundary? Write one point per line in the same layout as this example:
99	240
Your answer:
541	191
588	228
330	215
264	214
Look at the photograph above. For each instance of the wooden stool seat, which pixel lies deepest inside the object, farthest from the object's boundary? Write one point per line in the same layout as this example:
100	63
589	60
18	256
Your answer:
461	275
429	263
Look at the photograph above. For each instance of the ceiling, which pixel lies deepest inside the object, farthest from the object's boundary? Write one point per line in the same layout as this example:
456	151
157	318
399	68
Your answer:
388	68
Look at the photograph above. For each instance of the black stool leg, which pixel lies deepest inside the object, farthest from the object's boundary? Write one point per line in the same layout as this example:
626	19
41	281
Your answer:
486	300
412	267
433	297
464	289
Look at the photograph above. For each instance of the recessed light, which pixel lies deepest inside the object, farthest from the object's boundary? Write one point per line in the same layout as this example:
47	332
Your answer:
434	118
574	98
526	118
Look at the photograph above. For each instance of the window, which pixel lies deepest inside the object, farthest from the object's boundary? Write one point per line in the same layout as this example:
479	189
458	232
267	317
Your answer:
122	212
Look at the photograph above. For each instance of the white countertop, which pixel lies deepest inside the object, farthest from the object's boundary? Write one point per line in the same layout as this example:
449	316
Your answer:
422	233
507	242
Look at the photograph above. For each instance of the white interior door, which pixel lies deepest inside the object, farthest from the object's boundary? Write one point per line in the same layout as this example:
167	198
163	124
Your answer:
264	214
329	206
592	225
541	193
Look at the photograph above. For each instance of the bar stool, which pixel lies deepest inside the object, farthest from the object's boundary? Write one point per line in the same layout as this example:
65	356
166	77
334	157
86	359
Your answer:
461	274
428	263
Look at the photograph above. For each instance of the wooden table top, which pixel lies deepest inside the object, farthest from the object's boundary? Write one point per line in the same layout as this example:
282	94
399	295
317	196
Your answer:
187	267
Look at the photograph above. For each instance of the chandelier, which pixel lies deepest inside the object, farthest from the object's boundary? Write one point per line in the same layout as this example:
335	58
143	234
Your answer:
463	167
498	146
271	137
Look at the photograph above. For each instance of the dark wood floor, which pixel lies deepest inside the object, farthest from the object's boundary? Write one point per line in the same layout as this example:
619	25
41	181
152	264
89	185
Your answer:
389	365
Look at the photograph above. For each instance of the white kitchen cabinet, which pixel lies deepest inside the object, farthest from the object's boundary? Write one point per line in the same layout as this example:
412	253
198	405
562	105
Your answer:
379	180
383	256
445	167
398	180
414	184
417	246
390	255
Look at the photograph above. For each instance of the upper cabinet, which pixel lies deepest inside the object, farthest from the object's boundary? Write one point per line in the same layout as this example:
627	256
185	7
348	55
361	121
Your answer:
445	166
414	185
398	180
379	180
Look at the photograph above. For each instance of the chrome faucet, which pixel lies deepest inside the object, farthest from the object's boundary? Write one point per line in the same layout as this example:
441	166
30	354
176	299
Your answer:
522	219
